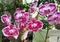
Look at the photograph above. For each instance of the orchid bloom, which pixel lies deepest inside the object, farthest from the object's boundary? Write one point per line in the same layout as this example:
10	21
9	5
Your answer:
19	15
54	18
21	18
47	8
33	6
35	25
10	32
6	19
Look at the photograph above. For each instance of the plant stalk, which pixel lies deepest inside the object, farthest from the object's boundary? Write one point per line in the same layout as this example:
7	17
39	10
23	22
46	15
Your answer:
46	39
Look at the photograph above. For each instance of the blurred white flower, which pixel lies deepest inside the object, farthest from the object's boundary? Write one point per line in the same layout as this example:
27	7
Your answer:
29	1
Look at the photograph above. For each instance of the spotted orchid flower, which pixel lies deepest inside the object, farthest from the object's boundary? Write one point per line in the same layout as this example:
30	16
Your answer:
6	19
10	32
47	8
58	18
33	6
19	15
54	18
21	25
21	18
35	25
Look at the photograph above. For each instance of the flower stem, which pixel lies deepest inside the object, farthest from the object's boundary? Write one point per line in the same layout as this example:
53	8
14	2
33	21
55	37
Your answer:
46	39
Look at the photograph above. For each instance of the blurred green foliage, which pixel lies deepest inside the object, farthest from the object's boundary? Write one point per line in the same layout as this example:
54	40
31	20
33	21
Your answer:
45	25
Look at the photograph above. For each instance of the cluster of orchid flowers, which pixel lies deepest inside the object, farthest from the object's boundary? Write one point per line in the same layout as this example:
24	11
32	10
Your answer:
25	20
50	10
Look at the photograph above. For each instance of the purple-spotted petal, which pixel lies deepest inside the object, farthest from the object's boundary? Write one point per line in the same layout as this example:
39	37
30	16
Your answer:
54	18
33	6
47	8
35	25
6	18
58	18
10	32
21	18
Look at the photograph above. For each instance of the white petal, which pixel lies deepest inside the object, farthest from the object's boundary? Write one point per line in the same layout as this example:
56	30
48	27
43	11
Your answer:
16	36
24	36
34	14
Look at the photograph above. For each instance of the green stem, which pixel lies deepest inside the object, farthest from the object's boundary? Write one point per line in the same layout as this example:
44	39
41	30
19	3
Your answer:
46	39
